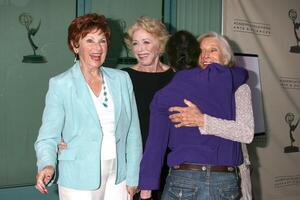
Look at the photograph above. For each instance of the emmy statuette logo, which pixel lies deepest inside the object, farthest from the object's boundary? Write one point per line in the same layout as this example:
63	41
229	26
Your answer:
26	19
293	17
289	118
125	60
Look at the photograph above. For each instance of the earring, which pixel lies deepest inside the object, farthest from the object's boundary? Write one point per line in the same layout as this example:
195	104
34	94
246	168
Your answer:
76	55
75	59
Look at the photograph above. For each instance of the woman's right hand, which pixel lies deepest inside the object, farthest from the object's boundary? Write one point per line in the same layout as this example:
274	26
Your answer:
43	177
131	191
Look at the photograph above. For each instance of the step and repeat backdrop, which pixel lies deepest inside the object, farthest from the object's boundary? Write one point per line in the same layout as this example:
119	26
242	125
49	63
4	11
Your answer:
270	29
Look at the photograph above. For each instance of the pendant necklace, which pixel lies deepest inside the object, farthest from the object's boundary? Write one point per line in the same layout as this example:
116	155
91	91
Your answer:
105	101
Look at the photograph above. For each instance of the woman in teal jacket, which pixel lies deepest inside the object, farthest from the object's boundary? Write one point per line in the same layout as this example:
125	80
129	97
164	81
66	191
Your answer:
93	109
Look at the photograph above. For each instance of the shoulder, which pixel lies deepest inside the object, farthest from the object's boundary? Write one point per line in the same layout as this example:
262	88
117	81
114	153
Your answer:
131	72
243	90
240	72
118	76
65	80
182	74
127	69
240	76
165	67
178	83
62	77
239	69
115	72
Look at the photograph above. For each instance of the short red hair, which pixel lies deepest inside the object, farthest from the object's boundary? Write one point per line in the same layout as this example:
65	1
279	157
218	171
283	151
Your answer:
85	24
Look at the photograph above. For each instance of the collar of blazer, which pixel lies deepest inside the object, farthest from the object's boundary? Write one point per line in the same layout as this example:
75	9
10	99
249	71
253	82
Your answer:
83	94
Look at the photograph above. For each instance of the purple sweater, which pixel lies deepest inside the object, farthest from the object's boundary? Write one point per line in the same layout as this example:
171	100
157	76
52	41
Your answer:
212	90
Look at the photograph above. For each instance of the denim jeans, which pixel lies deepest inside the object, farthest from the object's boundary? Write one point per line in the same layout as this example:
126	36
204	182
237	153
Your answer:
201	185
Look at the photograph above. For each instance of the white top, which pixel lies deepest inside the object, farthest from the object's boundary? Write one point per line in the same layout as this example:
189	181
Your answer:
107	122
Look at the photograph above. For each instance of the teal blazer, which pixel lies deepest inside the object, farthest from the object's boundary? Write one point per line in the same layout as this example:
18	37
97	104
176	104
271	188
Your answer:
70	113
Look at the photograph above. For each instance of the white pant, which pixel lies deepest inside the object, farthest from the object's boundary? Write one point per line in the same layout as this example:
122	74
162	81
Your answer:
245	182
107	191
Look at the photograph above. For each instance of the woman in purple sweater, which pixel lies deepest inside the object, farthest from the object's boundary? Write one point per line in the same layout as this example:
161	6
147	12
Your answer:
202	166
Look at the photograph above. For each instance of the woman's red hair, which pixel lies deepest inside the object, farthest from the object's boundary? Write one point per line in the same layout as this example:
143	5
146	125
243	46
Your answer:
85	24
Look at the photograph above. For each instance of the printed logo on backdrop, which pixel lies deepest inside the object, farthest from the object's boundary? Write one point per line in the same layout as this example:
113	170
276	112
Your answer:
293	17
245	26
289	83
286	181
26	20
289	119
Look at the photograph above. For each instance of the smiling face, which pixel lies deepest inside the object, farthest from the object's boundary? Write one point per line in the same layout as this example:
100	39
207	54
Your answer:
211	52
145	48
92	50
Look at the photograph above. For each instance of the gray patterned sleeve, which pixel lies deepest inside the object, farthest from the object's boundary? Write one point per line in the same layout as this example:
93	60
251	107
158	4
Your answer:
241	129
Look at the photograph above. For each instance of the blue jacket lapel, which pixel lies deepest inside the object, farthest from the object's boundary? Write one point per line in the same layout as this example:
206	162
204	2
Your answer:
83	93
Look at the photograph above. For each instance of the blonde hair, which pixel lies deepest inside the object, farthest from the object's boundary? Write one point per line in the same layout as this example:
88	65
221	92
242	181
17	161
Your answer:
225	47
153	26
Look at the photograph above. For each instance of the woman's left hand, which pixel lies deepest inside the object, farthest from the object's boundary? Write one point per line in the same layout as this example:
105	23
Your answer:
145	194
62	145
131	191
190	116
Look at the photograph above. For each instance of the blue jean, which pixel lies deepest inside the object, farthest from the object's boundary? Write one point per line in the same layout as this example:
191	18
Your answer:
201	185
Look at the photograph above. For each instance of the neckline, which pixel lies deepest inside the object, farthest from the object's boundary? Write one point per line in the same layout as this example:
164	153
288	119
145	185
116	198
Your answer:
142	72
